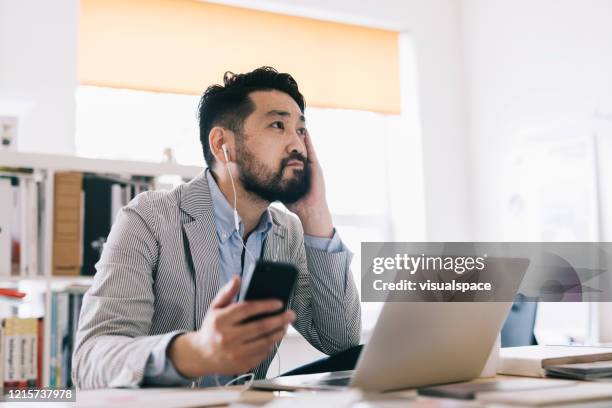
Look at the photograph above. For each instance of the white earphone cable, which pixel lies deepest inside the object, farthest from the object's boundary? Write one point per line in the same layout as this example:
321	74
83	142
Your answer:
236	217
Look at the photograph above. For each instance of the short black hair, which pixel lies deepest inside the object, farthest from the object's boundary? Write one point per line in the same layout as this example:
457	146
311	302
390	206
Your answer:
228	105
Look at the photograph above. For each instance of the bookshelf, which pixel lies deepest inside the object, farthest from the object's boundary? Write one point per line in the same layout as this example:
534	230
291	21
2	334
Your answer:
44	167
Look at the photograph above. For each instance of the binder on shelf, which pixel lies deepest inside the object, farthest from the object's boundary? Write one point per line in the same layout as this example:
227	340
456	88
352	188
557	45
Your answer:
61	323
67	224
65	311
20	352
20	224
15	227
53	315
9	348
6	210
97	220
40	327
31	222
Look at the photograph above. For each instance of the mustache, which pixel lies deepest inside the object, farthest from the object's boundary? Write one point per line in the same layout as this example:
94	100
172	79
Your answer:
293	156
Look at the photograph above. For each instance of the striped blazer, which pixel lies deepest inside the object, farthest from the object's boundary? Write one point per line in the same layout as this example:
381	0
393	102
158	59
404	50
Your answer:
159	271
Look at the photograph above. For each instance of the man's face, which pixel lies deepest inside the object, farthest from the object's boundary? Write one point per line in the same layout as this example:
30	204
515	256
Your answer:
271	154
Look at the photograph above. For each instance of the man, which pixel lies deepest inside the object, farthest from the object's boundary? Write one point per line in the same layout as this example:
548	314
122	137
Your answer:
155	314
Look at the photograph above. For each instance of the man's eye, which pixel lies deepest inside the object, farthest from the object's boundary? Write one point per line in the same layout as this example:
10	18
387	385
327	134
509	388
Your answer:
278	125
302	132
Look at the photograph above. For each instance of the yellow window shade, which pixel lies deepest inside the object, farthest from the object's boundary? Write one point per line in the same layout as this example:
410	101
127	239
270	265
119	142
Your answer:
183	46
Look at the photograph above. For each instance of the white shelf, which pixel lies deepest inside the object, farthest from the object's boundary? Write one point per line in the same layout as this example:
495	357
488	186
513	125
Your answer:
48	165
72	163
22	278
68	279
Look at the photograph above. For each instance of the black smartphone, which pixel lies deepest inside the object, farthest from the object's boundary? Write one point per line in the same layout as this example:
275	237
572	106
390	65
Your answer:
271	280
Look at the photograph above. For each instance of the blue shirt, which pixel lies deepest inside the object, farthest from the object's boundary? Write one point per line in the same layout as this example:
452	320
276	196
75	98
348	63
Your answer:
159	369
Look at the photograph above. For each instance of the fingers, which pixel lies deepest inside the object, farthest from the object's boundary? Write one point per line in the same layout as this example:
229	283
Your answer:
264	345
312	155
249	362
226	294
244	356
262	328
236	313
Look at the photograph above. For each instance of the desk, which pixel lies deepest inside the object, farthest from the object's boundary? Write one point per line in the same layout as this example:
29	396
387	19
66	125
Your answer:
185	397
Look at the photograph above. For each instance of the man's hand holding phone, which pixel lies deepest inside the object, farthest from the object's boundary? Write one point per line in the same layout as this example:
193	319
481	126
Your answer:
226	345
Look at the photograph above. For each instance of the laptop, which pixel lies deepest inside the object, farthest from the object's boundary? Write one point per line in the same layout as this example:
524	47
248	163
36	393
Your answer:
417	344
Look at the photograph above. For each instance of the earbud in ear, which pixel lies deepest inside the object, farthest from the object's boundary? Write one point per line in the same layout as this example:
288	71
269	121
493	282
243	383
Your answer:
224	148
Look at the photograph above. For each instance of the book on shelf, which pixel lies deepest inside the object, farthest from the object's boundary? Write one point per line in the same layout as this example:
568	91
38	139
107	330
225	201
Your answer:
64	314
21	348
98	196
21	223
11	293
6	191
85	208
22	359
67	223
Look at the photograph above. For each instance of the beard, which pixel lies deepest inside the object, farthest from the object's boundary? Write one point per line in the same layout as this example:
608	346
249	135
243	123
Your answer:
269	184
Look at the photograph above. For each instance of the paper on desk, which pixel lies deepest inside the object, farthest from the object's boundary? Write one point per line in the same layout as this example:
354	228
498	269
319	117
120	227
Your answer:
323	399
579	393
421	402
355	399
156	397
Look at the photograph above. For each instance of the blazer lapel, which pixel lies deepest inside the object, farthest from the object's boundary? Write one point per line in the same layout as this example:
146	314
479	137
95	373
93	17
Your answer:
202	242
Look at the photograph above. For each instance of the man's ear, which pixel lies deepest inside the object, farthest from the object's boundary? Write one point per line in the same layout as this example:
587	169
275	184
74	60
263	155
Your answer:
216	138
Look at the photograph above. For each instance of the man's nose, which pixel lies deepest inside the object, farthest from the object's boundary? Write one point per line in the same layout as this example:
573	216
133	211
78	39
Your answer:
296	144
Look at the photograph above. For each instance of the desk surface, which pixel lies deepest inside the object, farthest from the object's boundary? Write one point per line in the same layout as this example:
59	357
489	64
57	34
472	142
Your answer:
185	397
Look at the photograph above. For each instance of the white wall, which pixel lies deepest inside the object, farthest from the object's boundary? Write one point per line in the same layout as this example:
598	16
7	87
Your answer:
435	27
533	65
38	71
529	64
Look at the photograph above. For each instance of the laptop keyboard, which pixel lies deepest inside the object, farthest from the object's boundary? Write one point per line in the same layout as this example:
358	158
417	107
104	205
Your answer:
336	381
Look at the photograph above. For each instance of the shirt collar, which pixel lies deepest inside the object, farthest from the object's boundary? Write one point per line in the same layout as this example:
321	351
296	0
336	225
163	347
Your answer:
224	213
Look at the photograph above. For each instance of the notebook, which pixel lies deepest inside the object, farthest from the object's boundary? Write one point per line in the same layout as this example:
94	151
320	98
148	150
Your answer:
531	361
597	370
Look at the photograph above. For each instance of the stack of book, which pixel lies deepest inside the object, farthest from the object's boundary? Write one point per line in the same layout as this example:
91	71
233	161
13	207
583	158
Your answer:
64	315
85	206
21	223
576	362
21	353
594	371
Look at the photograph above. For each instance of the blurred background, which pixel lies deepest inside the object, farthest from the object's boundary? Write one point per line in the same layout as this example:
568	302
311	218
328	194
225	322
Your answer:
435	120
